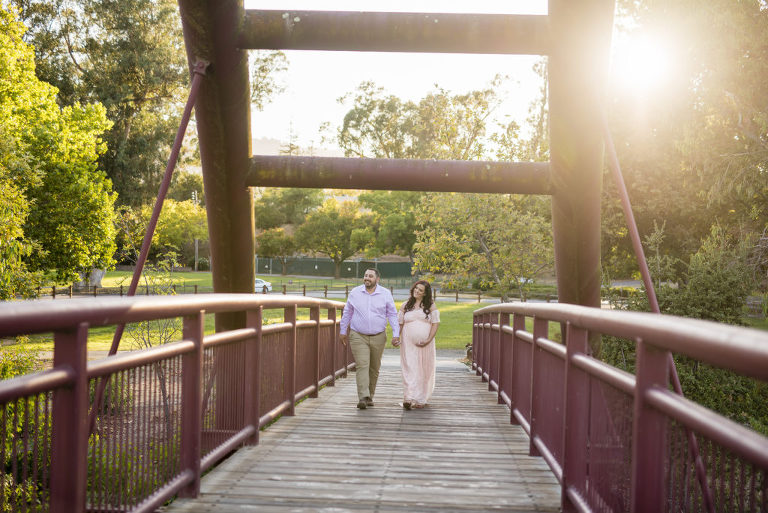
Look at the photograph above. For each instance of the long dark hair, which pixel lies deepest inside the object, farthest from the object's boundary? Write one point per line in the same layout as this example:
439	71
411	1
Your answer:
426	301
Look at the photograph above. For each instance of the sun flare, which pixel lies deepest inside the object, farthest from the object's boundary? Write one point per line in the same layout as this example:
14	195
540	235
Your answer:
641	64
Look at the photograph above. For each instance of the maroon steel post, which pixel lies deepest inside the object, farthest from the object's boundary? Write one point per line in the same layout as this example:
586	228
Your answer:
314	315
503	351
493	353
649	432
334	349
577	67
191	403
518	323
252	379
289	315
575	420
538	388
222	111
69	445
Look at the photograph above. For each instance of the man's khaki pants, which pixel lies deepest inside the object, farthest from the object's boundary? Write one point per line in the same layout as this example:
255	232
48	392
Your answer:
367	351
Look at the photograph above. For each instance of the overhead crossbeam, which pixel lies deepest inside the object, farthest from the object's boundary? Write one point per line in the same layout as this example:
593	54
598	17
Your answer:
395	32
400	174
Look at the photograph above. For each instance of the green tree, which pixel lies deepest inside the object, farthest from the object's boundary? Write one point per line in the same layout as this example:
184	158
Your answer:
499	241
328	231
276	243
394	224
185	185
129	56
53	165
179	224
276	207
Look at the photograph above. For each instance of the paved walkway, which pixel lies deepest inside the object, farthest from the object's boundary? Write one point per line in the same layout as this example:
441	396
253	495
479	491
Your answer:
459	454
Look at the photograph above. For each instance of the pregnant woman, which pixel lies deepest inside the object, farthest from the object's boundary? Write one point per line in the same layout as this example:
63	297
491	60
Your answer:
419	320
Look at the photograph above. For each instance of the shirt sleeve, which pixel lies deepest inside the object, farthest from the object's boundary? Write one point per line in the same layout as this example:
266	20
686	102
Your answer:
346	318
392	316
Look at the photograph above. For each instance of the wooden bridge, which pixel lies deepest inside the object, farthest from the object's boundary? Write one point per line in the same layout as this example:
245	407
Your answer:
459	454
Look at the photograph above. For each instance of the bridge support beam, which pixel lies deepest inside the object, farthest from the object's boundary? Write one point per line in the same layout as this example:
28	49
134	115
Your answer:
577	69
223	116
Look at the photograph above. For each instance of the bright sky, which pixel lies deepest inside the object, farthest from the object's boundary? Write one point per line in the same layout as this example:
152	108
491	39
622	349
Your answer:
316	79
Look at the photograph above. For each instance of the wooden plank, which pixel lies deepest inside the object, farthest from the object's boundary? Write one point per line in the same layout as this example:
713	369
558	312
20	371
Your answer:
458	454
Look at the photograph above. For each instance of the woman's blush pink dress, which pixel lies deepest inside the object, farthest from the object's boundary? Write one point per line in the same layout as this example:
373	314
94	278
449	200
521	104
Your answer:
417	363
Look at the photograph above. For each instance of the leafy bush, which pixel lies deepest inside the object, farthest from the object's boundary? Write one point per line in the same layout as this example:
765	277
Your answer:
715	288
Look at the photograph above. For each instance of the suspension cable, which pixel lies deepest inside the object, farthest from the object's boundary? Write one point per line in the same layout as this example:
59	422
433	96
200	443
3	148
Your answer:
198	71
613	162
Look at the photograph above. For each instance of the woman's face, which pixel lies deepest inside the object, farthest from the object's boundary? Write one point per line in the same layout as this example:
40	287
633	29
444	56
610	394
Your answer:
418	291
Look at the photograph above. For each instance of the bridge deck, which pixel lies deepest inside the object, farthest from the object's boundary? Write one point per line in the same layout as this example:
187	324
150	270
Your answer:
459	454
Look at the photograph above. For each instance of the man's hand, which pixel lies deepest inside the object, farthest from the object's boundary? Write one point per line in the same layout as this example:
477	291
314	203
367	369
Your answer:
396	341
343	339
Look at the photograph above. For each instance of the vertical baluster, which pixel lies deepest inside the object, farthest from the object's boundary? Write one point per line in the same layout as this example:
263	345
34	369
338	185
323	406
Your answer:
191	415
70	423
502	372
576	419
252	382
314	314
290	374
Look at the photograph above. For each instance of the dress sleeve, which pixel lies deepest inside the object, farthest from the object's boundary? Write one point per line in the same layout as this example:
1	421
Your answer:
400	316
434	316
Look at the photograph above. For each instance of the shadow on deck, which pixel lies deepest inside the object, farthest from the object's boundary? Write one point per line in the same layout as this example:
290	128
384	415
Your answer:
459	454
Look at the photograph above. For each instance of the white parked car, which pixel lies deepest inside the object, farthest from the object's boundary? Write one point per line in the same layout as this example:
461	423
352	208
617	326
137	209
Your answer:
259	285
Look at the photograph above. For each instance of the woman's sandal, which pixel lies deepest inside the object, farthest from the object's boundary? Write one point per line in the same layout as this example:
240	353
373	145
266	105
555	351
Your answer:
406	405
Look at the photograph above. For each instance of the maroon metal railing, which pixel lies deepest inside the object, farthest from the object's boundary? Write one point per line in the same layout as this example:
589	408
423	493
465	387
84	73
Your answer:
617	441
169	412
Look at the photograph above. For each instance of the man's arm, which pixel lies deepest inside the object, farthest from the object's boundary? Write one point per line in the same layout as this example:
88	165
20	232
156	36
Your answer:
393	321
346	318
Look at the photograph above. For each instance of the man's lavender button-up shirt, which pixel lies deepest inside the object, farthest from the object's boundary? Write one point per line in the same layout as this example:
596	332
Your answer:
368	313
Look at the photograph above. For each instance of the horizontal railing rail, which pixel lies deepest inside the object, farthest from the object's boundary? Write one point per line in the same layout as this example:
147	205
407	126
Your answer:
169	412
618	441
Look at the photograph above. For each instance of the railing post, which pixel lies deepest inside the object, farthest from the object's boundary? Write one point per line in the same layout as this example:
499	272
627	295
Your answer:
503	350
69	443
518	323
95	290
334	342
649	432
252	383
493	353
304	290
538	394
53	292
121	290
70	291
285	289
475	338
290	374
325	292
575	420
314	315
191	403
457	295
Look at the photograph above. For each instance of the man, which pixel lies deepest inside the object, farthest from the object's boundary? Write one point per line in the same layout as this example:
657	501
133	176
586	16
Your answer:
364	324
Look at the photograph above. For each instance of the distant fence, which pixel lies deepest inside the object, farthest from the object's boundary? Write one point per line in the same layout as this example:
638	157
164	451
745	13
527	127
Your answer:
325	267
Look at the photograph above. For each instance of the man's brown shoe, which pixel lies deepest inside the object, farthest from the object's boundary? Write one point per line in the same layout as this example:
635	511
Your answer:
361	404
368	401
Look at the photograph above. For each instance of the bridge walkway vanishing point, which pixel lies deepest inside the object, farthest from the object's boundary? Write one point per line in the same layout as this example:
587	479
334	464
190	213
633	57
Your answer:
459	454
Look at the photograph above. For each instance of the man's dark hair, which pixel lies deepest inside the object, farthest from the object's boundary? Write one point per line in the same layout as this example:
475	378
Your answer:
376	271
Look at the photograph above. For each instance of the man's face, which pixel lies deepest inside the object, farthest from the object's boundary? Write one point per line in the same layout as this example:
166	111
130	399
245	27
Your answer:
369	279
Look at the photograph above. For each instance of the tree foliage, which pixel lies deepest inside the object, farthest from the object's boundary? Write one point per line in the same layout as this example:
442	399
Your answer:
500	242
276	243
329	231
127	55
51	160
179	224
276	207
